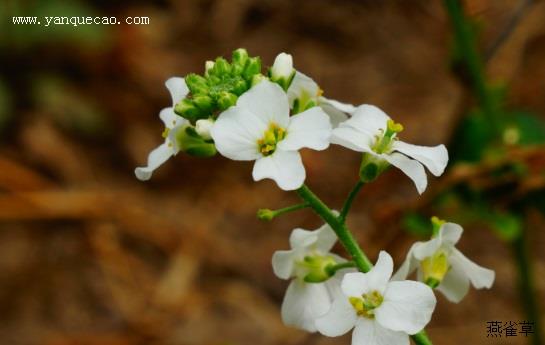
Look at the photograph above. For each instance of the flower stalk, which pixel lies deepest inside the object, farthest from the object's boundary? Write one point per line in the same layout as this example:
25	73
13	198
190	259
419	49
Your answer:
347	240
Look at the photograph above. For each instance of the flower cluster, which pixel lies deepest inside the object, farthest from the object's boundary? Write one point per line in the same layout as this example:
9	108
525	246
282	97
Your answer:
247	114
244	115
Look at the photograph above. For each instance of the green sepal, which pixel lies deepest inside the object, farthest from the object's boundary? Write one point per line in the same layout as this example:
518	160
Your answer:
239	58
204	103
221	67
283	82
187	109
371	167
196	84
252	67
226	100
192	143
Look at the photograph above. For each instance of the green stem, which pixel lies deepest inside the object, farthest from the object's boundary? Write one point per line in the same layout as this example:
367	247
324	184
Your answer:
331	270
344	235
267	214
466	46
347	240
350	200
527	286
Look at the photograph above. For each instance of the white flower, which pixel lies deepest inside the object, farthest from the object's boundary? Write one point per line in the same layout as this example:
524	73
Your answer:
173	124
260	128
310	253
381	312
304	91
282	67
438	260
371	131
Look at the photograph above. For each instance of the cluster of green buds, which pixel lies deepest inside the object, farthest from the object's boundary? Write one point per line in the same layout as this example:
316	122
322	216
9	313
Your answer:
220	86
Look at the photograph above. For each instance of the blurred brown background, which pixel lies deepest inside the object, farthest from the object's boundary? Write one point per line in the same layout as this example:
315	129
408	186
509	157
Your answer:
89	255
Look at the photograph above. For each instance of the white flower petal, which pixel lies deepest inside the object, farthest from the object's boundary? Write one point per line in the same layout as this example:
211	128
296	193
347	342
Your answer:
282	263
454	285
379	276
301	238
408	266
284	167
156	157
170	119
302	86
369	332
411	168
368	119
304	303
236	132
177	88
480	277
326	238
434	158
340	318
343	107
267	101
422	250
352	138
450	233
336	117
407	306
355	284
310	128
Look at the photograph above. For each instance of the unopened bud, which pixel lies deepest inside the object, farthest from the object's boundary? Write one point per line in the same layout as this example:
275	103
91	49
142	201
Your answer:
196	84
226	100
222	67
253	66
240	57
203	127
282	67
188	110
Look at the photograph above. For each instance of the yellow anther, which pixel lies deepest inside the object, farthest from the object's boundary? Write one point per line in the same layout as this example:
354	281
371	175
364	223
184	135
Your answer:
165	133
271	137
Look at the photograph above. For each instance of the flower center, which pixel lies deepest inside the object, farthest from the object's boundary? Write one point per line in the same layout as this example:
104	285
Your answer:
384	144
435	267
366	305
271	137
314	268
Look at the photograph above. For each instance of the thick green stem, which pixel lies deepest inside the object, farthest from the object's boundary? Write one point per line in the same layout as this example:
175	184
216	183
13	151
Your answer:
344	235
350	200
467	48
527	286
347	240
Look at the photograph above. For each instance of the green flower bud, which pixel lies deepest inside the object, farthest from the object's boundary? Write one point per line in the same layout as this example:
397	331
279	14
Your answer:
204	103
208	66
265	214
196	84
239	87
252	67
188	110
221	67
240	57
190	142
226	100
371	167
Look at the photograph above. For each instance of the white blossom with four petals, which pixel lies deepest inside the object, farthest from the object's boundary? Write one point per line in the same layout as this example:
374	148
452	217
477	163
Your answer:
259	127
304	302
381	312
367	129
173	124
457	270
